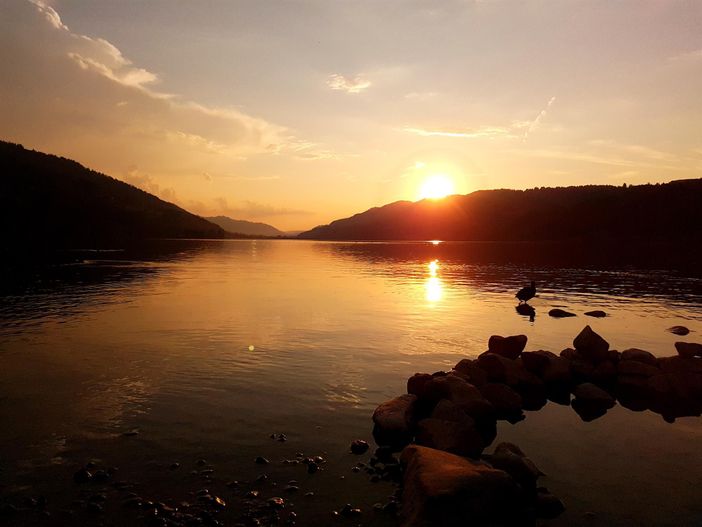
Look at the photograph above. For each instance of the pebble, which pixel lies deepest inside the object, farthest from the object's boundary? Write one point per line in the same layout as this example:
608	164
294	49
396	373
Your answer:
95	507
359	447
276	502
312	468
261	460
82	476
174	466
252	494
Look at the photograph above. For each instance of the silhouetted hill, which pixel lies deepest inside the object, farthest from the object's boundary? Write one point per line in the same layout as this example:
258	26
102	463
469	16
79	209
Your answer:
54	202
669	211
249	228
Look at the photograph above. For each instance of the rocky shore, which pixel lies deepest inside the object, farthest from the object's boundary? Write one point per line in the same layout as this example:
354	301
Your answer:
446	420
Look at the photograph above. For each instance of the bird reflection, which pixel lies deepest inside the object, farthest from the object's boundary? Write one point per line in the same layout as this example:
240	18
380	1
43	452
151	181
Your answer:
527	311
433	286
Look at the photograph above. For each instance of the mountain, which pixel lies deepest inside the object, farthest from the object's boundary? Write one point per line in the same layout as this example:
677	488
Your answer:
248	228
51	201
668	211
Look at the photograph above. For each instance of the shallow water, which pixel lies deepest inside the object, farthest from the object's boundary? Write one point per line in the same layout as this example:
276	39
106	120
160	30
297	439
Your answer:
206	348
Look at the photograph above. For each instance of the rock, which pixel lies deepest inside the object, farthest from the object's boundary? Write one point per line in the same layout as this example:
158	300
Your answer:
597	314
471	372
676	394
359	447
679	364
499	369
689	350
312	467
637	368
260	460
548	366
591	346
448	490
510	458
461	393
548	506
560	313
82	476
394	420
459	438
635	354
508	347
504	399
679	330
591	401
349	511
594	395
416	384
276	503
448	411
604	373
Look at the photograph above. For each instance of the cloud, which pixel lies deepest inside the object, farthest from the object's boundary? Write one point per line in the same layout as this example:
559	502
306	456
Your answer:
535	123
146	183
688	56
484	131
244	209
349	85
94	104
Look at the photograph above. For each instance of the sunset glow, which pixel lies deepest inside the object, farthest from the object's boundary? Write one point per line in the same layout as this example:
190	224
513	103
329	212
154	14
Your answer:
436	187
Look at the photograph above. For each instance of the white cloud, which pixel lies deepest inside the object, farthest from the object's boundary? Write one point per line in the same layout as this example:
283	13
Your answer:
535	123
349	85
484	131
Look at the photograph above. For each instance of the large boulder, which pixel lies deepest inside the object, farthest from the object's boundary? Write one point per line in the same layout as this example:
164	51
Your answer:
591	401
461	393
448	490
548	366
591	346
510	458
505	400
394	420
500	369
458	437
469	370
508	347
638	355
637	368
689	350
417	383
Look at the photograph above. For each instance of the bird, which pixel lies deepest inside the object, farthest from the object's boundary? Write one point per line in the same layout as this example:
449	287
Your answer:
526	293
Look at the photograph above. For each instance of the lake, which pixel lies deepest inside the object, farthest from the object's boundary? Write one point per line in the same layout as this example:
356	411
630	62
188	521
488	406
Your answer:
191	351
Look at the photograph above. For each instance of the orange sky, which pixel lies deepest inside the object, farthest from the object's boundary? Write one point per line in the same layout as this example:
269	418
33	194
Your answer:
299	113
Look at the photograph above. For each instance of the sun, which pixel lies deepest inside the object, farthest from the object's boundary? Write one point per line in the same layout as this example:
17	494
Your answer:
436	186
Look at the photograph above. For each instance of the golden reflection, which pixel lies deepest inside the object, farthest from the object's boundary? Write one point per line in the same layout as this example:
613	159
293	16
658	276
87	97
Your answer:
435	242
433	286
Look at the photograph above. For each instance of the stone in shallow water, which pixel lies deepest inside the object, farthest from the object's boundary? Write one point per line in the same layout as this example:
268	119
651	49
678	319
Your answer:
359	446
449	490
393	420
689	350
460	438
591	346
508	347
560	313
679	330
596	313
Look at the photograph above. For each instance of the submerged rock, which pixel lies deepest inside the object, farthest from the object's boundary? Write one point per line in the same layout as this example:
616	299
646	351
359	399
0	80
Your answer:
510	458
591	346
504	399
689	349
359	446
679	330
560	313
596	313
457	437
509	347
394	420
448	490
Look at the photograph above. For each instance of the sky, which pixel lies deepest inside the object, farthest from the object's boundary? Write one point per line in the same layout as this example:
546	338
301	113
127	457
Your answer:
299	113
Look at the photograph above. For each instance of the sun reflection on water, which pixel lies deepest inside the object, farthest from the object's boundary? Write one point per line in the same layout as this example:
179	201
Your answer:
433	286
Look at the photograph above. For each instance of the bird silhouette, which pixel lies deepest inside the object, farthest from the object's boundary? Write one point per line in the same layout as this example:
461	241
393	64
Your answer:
526	293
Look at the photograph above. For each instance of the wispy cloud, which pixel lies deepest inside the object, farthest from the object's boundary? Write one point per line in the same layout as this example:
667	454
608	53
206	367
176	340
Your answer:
535	123
485	131
687	56
349	85
248	209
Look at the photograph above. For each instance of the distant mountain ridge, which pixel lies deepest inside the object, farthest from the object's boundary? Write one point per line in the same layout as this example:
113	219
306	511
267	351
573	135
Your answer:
666	211
248	228
51	201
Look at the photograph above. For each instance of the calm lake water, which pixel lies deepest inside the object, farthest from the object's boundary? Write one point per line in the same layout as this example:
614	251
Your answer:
206	348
